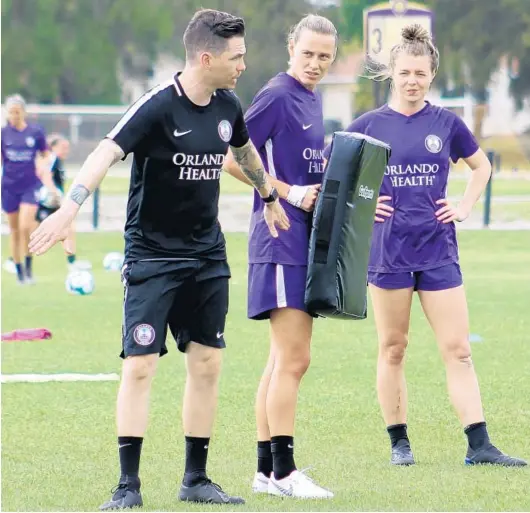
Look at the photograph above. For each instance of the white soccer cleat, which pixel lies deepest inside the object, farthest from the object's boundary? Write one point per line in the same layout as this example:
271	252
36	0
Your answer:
260	483
10	267
299	486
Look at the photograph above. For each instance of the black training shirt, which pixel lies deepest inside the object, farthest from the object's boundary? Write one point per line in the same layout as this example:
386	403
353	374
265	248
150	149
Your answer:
179	149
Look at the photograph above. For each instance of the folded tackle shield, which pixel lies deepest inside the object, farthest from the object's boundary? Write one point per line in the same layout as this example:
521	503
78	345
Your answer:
342	227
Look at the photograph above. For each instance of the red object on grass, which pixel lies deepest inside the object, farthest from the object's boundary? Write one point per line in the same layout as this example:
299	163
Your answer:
27	334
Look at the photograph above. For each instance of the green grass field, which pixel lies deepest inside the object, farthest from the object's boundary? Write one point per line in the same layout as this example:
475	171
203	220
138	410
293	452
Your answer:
502	186
229	185
58	439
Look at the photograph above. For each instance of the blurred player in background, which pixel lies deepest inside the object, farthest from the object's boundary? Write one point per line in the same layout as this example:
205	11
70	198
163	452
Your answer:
285	122
414	245
60	149
24	150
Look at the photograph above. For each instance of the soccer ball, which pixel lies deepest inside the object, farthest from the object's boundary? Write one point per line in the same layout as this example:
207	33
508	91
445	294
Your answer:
46	198
113	261
80	283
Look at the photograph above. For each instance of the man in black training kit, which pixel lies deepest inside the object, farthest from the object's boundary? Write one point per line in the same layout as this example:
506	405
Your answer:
175	270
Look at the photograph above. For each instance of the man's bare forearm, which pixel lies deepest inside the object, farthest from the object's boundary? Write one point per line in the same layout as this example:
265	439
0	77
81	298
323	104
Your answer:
250	163
232	168
92	172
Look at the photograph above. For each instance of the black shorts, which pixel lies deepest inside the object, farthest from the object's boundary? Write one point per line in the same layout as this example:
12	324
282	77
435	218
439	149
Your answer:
44	212
189	296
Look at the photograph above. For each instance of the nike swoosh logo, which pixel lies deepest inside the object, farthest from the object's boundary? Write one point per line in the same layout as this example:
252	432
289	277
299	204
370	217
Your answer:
285	491
219	335
124	445
176	133
305	127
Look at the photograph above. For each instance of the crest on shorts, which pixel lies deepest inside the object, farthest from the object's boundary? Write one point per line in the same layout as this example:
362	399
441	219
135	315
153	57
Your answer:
225	130
144	334
30	142
433	143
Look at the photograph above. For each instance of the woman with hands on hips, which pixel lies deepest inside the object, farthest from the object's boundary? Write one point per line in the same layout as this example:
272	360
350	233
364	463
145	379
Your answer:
414	246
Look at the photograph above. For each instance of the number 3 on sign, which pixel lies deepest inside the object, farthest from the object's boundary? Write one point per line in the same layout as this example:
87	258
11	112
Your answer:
382	27
375	36
377	43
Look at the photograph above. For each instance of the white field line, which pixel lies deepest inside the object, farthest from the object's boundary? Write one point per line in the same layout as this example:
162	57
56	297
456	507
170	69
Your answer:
45	378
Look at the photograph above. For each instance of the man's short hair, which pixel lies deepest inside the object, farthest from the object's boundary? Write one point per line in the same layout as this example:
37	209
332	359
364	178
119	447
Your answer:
210	30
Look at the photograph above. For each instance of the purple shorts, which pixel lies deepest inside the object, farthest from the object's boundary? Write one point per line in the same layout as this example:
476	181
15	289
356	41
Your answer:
11	200
272	286
441	278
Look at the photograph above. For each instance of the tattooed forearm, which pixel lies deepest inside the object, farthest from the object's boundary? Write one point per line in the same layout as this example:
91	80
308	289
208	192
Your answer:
94	169
78	194
250	162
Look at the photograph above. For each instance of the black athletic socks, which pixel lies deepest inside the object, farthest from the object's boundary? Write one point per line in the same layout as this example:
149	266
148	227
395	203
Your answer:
196	456
130	448
397	432
265	457
282	448
477	435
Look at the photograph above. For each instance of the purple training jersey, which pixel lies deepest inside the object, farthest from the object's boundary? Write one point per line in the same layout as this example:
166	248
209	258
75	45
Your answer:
412	239
19	149
286	125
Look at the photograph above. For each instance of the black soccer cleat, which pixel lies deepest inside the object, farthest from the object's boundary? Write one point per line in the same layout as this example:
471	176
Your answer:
402	454
124	496
490	455
207	492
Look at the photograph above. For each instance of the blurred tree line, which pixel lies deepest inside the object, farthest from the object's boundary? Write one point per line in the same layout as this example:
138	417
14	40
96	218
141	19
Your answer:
68	51
472	36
